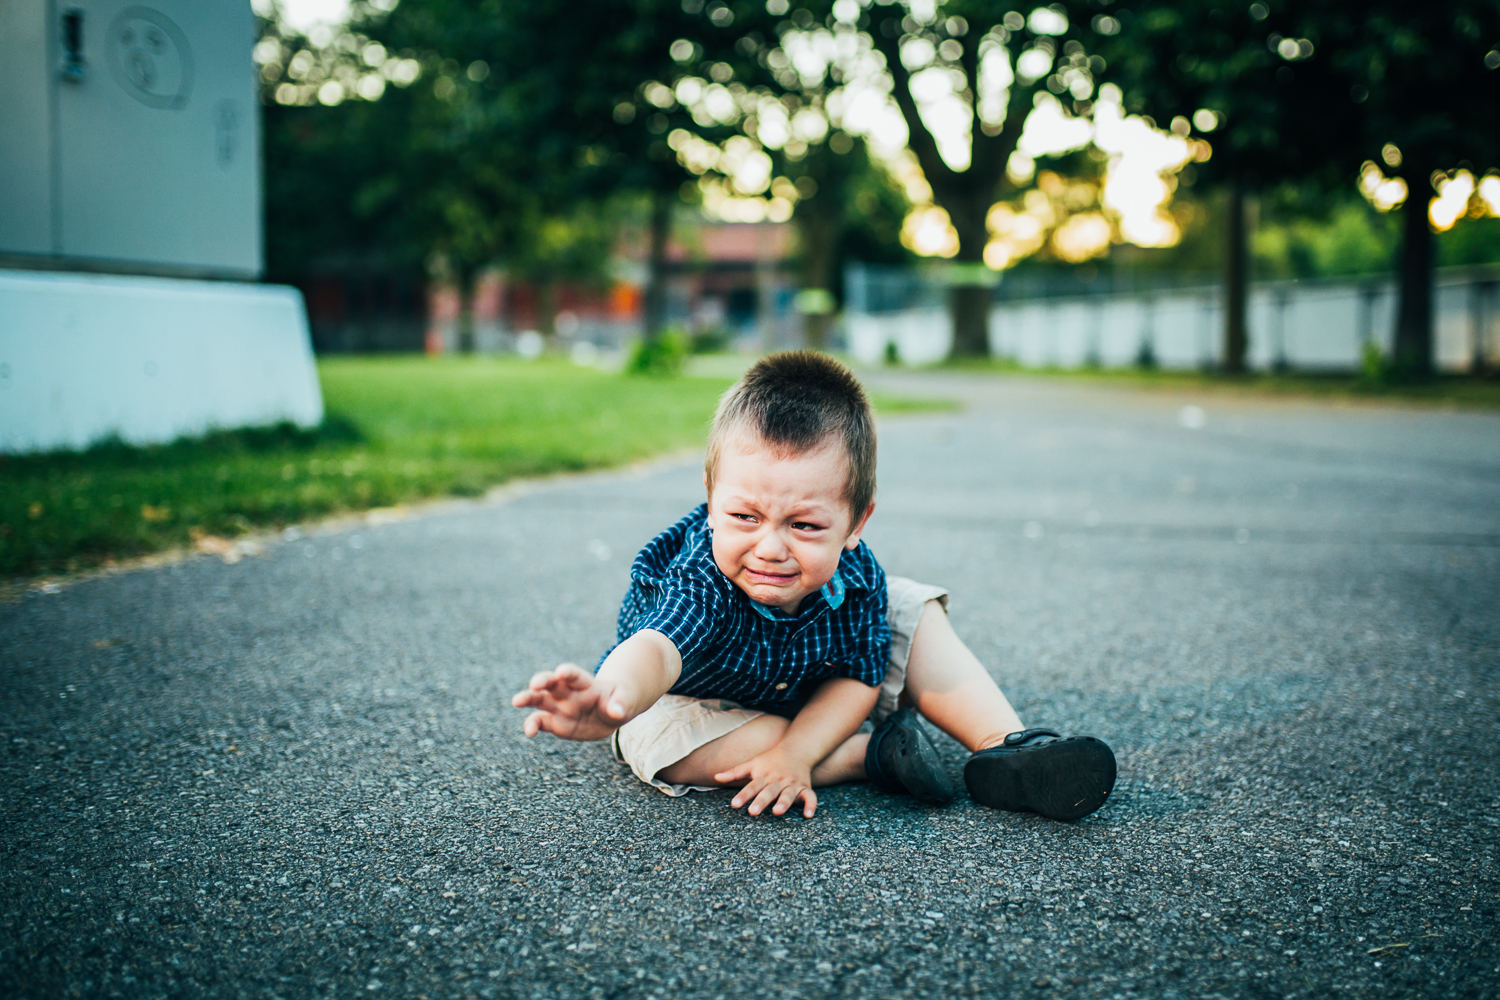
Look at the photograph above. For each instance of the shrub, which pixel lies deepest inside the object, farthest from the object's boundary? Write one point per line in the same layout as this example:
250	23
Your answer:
659	355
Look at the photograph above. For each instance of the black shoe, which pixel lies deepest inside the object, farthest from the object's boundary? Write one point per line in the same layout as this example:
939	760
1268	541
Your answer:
1039	771
901	758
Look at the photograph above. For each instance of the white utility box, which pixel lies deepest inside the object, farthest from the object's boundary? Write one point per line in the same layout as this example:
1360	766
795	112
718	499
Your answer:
131	146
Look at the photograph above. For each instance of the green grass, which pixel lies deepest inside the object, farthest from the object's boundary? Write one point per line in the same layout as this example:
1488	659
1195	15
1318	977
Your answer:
400	429
1452	391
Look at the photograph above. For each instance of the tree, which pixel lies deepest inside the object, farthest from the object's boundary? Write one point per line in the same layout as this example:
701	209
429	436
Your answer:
593	77
573	247
844	198
1217	69
819	172
523	113
1423	81
381	148
1305	94
972	67
334	173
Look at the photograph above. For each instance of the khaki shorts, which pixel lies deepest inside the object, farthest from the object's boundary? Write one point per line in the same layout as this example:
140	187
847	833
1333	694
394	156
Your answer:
676	726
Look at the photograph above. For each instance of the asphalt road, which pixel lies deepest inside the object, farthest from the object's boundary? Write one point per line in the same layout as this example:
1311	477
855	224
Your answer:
299	776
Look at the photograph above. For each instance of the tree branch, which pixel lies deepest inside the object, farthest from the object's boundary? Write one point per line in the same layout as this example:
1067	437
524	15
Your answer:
988	153
940	176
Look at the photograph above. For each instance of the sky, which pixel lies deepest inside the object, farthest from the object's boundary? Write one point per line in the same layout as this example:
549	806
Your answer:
304	14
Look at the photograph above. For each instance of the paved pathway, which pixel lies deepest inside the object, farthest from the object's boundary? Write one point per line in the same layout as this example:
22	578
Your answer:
299	777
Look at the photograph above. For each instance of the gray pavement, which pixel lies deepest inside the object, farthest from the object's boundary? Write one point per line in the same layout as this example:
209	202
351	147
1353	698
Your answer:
299	776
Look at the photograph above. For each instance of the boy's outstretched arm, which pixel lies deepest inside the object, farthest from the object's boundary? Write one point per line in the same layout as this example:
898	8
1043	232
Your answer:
780	776
576	705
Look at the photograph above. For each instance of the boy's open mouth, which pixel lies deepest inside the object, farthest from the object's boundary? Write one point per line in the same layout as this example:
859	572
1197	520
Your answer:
761	576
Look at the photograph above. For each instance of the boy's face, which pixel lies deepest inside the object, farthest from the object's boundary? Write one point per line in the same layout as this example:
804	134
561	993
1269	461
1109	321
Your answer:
779	520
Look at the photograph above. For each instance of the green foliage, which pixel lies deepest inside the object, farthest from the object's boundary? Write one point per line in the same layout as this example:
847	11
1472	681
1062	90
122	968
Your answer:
518	129
1373	367
402	430
709	340
662	354
573	245
1352	239
874	207
1471	241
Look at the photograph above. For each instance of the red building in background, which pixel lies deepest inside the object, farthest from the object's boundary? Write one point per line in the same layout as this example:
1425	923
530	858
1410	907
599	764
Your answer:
729	282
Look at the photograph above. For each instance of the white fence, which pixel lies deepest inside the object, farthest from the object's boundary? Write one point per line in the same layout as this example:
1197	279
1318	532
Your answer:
1303	325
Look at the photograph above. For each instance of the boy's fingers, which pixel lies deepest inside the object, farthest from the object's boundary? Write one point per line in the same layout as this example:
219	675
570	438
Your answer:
809	803
542	701
786	799
732	775
611	702
746	794
620	700
571	675
542	698
541	680
765	798
536	722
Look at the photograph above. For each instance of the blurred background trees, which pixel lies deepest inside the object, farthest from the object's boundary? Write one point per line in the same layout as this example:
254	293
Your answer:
441	137
1303	98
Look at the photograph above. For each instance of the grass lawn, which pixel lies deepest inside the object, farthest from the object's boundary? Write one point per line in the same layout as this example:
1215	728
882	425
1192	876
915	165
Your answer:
1450	391
399	429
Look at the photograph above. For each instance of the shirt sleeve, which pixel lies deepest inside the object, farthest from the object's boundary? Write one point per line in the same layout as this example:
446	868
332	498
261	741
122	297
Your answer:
867	650
689	613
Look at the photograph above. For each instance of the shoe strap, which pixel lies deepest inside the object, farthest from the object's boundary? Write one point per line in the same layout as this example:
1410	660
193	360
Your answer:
1027	735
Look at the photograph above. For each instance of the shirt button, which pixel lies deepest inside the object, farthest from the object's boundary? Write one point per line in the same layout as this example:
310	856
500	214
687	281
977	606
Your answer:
781	686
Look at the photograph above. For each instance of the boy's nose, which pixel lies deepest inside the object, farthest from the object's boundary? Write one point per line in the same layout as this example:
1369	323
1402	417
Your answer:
771	548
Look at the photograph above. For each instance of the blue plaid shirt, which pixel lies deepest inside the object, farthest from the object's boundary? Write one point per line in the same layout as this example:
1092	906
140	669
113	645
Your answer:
737	649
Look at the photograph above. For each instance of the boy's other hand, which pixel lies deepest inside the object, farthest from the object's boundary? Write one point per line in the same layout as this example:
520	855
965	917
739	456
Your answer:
572	703
772	779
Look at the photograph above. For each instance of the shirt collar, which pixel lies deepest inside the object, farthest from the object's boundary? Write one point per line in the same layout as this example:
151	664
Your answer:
853	568
833	595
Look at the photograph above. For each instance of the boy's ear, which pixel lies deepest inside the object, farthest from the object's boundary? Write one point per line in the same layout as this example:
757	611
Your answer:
859	526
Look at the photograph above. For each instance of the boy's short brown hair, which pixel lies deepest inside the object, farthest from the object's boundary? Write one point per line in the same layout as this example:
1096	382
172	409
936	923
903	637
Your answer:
794	401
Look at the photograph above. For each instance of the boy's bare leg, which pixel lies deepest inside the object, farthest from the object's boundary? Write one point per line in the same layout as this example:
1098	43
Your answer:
846	763
951	688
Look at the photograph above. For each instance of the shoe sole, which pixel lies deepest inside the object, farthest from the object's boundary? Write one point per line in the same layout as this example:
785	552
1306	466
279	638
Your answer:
1065	779
916	765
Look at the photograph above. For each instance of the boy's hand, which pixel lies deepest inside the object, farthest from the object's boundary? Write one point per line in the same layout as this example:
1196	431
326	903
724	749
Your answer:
774	778
572	703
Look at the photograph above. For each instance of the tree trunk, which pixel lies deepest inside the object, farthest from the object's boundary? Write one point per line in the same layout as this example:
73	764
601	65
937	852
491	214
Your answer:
818	232
970	308
1413	353
968	299
1237	283
546	308
654	306
466	282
